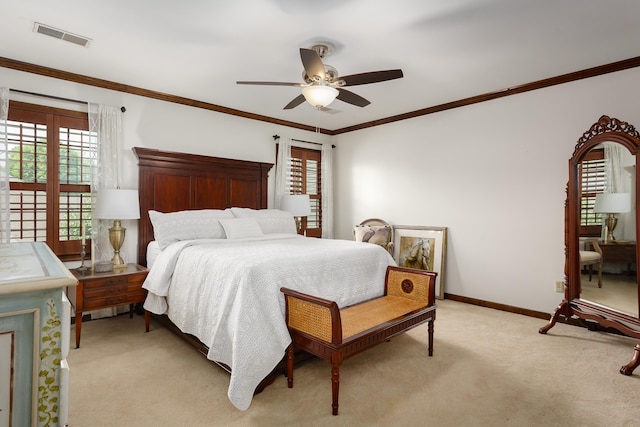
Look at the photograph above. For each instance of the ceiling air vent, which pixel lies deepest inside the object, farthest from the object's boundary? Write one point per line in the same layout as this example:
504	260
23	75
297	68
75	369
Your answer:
60	34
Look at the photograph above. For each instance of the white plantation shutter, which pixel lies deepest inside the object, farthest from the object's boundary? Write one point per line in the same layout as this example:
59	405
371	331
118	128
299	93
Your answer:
593	181
306	179
50	155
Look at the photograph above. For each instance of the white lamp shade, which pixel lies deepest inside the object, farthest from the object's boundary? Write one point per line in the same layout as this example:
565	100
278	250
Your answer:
117	204
296	204
320	96
612	203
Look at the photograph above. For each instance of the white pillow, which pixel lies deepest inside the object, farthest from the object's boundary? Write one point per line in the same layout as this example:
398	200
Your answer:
172	227
239	228
270	220
378	234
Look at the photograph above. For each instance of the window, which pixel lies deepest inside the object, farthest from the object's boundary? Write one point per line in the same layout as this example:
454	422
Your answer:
306	179
51	154
593	180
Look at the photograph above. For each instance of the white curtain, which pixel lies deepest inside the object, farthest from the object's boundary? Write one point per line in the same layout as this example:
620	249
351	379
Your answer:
106	123
614	161
5	212
283	170
327	191
618	181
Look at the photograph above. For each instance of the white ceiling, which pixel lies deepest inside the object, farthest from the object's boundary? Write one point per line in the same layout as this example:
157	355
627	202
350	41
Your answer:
447	49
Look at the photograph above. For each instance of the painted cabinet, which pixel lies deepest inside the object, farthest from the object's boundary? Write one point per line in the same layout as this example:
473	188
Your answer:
34	336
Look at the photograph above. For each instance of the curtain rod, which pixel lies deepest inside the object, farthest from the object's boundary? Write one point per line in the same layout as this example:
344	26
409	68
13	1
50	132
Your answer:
275	137
59	98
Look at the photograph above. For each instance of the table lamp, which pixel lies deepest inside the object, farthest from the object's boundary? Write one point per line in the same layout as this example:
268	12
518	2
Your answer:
117	204
611	204
298	205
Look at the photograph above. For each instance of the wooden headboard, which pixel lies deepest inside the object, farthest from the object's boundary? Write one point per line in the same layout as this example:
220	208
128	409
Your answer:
170	182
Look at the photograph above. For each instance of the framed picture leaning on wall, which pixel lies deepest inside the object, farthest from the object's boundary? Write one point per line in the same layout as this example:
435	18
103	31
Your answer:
422	247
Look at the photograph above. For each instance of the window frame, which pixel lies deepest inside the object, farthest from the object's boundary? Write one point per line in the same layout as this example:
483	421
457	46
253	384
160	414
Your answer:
54	119
598	185
298	174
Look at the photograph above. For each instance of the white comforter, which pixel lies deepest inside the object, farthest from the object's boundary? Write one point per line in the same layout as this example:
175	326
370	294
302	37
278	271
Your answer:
227	293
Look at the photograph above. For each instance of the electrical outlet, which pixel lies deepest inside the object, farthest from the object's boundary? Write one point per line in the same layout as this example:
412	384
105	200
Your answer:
559	286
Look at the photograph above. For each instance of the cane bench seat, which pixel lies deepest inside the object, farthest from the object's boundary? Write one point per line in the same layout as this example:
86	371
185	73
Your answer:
371	314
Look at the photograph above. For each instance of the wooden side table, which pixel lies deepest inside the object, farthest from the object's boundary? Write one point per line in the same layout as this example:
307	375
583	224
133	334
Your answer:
103	290
623	252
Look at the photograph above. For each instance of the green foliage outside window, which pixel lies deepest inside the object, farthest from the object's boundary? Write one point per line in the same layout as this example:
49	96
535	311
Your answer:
28	164
33	168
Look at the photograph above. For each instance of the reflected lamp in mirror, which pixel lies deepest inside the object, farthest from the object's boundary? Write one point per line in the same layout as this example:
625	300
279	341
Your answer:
611	204
298	205
117	204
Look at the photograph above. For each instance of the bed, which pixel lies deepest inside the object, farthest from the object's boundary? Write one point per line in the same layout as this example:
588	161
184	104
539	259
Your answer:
221	257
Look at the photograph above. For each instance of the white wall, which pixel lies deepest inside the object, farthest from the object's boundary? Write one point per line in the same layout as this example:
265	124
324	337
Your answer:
494	173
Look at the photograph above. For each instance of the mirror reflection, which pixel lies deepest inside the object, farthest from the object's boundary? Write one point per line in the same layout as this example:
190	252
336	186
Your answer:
607	228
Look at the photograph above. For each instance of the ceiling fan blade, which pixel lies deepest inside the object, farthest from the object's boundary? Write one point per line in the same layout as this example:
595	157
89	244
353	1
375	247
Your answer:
371	77
294	102
329	110
270	83
312	63
351	98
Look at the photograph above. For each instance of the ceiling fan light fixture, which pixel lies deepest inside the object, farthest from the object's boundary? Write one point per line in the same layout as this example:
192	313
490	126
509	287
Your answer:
320	96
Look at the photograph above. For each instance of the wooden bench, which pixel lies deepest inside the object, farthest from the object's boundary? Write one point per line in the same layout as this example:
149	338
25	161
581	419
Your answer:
319	327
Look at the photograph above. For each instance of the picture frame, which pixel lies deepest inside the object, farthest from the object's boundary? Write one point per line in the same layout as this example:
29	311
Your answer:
422	247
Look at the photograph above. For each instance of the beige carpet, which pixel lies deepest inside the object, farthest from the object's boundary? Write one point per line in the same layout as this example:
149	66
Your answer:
490	368
619	291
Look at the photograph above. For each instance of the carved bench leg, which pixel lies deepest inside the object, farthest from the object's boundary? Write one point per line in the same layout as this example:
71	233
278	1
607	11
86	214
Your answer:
635	362
335	386
290	361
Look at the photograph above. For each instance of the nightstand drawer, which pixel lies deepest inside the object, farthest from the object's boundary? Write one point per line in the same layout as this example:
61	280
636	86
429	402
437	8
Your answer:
114	295
104	291
136	292
115	281
97	303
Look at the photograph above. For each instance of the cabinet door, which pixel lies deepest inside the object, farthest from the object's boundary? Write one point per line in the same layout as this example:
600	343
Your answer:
6	375
17	374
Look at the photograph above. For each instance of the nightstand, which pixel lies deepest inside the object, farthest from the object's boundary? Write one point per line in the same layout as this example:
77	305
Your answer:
618	251
110	289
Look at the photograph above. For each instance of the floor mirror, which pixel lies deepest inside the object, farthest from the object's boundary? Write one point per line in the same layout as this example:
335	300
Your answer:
601	231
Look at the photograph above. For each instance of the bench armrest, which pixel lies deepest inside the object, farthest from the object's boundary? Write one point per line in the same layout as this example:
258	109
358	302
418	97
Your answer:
314	316
417	285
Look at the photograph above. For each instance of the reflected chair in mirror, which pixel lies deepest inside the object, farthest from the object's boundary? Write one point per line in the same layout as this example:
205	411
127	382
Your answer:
377	231
590	254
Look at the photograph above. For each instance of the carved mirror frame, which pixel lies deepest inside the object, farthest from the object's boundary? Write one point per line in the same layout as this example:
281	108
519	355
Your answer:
606	129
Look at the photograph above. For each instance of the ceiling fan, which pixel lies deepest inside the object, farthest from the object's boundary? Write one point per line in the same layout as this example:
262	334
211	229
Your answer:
322	84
